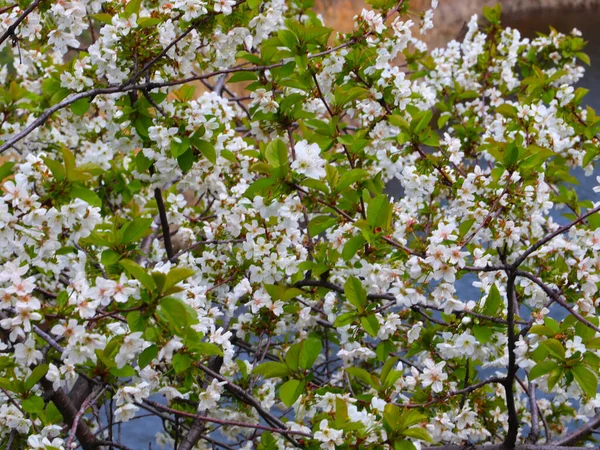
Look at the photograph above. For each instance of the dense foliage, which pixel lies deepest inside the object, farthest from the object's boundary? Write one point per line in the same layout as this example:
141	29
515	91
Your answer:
268	234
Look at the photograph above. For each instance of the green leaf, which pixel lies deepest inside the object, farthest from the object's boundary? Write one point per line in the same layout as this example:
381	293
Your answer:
311	348
443	119
277	157
186	160
259	187
66	250
36	375
287	38
176	275
123	372
53	415
411	417
404	444
102	17
242	76
181	362
205	348
350	177
81	106
6	170
392	417
345	319
583	57
185	93
542	330
363	375
418	433
464	228
586	379
135	230
586	333
133	7
355	293
424	120
507	110
33	405
292	356
109	257
179	147
57	169
492	13
319	224
135	321
176	312
272	369
370	324
290	391
352	245
387	368
493	302
593	220
379	212
86	195
554	377
555	348
207	149
139	273
542	368
482	333
147	22
147	356
141	162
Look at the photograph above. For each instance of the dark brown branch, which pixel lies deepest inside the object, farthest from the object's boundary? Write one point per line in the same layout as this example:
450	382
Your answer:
557	297
198	427
96	392
464	391
513	420
11	29
579	434
164	222
234	423
551	236
533	407
69	412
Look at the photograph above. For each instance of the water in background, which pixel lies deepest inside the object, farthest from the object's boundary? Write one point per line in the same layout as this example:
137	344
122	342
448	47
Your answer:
139	434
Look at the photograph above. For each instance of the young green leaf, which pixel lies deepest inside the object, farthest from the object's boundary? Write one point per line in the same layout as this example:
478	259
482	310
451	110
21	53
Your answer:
355	293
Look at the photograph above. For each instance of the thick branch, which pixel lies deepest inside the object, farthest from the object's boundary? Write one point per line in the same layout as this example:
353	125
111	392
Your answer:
164	223
69	412
513	420
579	434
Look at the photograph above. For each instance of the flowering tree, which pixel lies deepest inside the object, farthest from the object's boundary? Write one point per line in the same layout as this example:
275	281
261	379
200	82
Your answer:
241	266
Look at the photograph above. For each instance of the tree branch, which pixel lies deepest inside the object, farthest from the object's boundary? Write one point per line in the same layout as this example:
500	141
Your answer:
557	297
11	29
513	420
579	434
551	236
234	423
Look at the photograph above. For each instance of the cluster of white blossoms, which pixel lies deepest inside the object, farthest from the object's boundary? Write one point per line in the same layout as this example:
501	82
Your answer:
363	246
